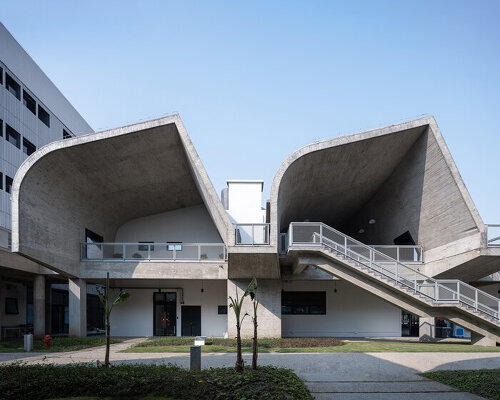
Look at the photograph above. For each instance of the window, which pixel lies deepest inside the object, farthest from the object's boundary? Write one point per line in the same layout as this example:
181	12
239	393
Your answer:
12	136
222	310
177	246
29	102
43	116
1	127
66	134
303	303
1	181
11	306
28	147
12	86
1	76
144	247
8	184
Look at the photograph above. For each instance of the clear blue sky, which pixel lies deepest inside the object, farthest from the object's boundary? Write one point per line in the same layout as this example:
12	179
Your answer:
253	81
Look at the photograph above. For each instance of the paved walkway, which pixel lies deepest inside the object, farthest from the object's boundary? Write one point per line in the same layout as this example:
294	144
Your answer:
342	376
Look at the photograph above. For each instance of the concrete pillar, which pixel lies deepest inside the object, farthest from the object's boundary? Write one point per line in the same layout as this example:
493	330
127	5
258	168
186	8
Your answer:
269	311
427	329
39	305
77	307
480	340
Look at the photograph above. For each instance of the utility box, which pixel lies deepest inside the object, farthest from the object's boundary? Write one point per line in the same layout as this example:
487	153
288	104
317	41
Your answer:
28	342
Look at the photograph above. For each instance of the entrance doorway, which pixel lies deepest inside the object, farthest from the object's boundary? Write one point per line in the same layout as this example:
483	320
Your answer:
409	324
164	313
191	320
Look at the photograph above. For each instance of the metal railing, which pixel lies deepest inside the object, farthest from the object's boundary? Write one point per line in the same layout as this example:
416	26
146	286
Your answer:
317	234
153	252
493	235
251	234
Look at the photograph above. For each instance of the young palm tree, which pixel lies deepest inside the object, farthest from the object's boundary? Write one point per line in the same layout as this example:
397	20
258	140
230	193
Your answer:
236	304
254	319
108	306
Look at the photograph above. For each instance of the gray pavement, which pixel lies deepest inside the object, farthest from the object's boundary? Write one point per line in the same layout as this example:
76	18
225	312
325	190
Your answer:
342	376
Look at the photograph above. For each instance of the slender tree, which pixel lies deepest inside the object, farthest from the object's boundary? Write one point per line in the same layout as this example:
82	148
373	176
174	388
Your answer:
254	320
108	306
236	304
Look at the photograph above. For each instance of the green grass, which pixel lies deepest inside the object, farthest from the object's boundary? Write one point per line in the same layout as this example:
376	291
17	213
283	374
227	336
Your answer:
121	398
40	382
58	344
483	382
216	345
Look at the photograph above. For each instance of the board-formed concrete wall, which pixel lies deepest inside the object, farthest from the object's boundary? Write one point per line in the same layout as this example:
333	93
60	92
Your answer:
350	312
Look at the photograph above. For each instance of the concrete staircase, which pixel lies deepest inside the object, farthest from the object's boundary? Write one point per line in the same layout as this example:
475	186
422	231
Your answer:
403	285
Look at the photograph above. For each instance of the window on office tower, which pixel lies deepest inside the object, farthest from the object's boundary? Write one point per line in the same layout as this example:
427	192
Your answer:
28	147
29	102
12	136
8	184
12	86
43	116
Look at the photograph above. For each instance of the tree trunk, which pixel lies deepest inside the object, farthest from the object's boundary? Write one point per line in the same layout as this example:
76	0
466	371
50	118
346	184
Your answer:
239	358
108	332
255	353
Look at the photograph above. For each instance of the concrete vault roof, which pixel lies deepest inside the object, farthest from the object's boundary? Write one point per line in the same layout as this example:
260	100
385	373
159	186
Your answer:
103	180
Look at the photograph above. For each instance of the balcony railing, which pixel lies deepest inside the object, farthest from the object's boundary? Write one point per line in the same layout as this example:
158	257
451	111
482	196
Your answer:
203	252
251	234
493	235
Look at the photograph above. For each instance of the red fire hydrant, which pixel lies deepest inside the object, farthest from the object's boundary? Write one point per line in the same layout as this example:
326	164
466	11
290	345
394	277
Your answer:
47	340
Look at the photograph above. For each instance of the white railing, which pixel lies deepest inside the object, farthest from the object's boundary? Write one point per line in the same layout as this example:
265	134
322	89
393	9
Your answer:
317	234
493	235
251	234
153	252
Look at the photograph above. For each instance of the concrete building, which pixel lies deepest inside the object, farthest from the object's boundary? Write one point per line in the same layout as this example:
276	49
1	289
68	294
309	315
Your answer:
371	234
33	113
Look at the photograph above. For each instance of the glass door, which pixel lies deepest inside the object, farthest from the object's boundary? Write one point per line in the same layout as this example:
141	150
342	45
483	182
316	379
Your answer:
164	313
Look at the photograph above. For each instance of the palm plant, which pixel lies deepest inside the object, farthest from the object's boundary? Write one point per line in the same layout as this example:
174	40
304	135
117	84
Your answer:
236	304
108	306
254	320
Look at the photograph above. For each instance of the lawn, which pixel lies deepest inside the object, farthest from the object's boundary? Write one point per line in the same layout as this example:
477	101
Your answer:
301	345
483	382
58	344
37	382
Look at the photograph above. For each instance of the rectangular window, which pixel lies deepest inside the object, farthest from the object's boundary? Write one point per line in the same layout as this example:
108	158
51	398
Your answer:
144	247
11	306
66	134
177	246
12	136
43	116
1	181
12	86
303	303
222	310
1	76
28	147
29	102
1	127
8	184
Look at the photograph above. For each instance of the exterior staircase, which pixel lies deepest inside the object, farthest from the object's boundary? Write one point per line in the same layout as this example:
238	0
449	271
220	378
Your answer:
314	243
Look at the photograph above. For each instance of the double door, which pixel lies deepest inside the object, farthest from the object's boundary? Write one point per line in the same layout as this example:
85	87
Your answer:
165	313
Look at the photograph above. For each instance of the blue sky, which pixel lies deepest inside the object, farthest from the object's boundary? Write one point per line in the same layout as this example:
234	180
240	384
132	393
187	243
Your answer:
253	81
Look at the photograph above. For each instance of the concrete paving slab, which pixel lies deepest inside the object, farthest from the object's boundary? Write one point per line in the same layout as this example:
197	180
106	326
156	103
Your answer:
398	396
426	386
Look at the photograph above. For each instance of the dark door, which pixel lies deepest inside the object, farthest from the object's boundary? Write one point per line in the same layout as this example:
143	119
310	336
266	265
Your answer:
409	324
191	320
164	314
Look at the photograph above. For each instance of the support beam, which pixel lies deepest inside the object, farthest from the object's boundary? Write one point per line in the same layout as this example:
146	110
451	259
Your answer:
77	307
427	329
39	305
480	340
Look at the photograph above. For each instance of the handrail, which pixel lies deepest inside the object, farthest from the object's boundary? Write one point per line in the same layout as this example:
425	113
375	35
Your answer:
252	234
438	290
152	251
493	241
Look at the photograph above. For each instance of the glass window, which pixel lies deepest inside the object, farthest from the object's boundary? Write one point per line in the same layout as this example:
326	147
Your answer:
28	147
43	116
1	127
313	303
1	76
8	184
29	102
144	246
222	310
177	246
12	136
11	306
12	86
66	134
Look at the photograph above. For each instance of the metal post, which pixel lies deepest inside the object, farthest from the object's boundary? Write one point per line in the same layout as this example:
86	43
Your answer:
458	291
436	292
345	245
149	251
195	358
397	271
321	233
124	255
290	238
199	252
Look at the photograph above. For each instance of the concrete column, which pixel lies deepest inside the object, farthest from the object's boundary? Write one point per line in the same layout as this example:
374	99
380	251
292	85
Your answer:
269	311
77	307
39	305
480	340
427	329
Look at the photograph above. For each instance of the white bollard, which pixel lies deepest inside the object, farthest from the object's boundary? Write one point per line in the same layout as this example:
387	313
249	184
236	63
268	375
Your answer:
28	342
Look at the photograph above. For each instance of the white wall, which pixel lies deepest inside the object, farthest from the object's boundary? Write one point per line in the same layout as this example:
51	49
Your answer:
135	316
187	225
350	312
245	201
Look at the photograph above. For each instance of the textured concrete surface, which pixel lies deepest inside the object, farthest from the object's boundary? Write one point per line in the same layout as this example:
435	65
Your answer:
344	376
